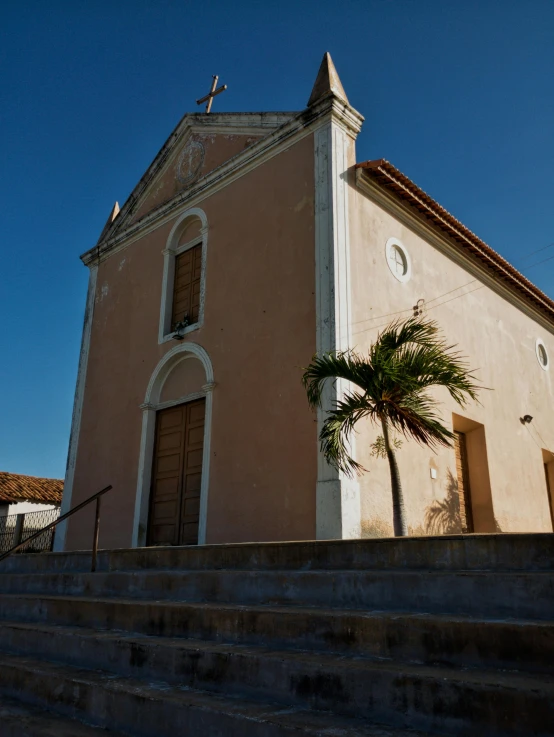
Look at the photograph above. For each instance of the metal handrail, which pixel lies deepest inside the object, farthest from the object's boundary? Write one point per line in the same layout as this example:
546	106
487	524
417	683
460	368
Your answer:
96	496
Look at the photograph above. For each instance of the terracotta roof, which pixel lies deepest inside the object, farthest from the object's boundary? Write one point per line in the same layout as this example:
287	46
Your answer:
383	172
17	488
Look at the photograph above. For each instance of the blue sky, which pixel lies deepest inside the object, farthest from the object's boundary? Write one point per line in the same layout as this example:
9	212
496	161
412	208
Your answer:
458	95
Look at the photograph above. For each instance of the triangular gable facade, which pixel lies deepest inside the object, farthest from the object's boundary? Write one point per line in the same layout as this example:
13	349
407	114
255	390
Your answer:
198	145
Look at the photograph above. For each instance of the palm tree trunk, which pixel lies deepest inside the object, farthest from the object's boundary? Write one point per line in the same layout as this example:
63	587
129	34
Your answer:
398	510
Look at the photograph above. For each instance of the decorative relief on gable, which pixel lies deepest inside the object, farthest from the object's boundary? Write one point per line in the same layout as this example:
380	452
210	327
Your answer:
199	156
189	163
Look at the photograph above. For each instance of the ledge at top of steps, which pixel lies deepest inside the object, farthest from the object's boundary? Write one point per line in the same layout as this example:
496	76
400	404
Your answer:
22	720
502	551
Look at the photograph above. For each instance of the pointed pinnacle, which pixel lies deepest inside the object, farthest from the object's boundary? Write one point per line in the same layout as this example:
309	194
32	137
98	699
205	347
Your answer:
112	216
327	82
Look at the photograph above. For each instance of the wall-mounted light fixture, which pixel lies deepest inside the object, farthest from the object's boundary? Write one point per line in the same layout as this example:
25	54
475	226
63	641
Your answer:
526	419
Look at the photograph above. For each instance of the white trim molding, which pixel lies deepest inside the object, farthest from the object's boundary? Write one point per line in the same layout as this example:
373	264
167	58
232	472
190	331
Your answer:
170	252
126	231
406	216
338	512
61	530
152	404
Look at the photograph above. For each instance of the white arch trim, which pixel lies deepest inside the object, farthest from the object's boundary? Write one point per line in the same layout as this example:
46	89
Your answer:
193	212
149	408
171	250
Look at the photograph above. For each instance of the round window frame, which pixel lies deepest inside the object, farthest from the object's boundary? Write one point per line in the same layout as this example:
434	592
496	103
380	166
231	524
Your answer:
538	345
390	244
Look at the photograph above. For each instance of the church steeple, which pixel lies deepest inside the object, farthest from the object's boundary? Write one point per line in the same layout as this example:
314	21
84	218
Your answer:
327	82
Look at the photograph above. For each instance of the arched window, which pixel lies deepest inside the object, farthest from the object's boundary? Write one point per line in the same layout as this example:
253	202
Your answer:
182	307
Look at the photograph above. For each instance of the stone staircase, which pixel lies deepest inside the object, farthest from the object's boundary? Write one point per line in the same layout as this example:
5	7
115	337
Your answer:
376	638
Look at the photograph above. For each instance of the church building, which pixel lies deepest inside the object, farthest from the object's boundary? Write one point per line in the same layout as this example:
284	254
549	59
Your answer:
253	241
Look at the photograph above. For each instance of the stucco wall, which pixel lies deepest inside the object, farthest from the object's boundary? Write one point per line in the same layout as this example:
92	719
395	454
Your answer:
216	148
259	329
24	508
498	340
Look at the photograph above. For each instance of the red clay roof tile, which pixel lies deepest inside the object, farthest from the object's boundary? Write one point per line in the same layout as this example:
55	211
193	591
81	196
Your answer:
387	175
15	487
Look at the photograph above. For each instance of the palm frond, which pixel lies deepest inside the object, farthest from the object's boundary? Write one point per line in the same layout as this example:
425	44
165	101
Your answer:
419	366
402	332
337	430
402	364
342	365
415	416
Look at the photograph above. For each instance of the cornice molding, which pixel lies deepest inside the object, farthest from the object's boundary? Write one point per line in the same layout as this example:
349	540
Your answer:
441	242
290	133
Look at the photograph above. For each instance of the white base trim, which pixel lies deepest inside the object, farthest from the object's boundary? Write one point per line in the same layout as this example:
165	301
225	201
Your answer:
338	506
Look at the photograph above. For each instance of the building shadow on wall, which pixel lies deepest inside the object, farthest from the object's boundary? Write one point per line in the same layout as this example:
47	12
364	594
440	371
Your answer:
443	517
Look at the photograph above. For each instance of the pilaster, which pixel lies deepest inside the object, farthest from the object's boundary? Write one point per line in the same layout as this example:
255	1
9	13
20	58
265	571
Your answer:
338	514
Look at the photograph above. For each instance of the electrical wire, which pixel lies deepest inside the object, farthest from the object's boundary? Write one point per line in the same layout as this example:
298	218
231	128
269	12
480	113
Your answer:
377	327
544	260
532	438
545	446
430	306
434	299
459	295
409	309
544	248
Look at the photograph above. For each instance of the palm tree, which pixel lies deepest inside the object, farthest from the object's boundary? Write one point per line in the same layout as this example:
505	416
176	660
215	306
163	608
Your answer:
390	386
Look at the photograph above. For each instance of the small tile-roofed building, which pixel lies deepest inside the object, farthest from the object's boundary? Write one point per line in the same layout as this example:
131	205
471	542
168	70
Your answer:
21	494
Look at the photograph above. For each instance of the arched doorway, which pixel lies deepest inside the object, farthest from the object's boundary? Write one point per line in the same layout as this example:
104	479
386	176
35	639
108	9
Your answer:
172	489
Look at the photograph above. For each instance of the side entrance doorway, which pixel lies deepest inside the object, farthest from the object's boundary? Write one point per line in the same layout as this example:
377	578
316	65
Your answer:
176	475
476	512
464	489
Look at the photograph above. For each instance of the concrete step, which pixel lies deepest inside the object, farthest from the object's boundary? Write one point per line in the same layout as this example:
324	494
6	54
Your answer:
39	625
469	593
504	552
23	720
352	687
158	709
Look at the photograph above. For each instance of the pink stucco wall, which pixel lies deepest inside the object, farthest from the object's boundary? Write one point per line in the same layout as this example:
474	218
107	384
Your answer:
259	329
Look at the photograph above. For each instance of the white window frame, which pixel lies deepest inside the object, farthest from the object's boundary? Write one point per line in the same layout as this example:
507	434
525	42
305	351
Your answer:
170	253
390	244
538	344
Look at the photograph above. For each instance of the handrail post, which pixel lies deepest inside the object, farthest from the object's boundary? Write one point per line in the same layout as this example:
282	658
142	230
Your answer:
96	531
19	525
18	532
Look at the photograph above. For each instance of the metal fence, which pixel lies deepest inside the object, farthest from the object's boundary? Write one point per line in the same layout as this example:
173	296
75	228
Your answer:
15	528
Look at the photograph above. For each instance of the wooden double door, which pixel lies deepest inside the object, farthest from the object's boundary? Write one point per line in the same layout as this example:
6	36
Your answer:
177	475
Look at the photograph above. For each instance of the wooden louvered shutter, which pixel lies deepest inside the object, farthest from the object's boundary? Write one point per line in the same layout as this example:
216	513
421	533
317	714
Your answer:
464	492
186	287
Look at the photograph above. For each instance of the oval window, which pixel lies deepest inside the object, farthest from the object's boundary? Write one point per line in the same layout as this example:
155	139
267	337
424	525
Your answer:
398	260
542	354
